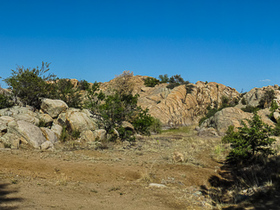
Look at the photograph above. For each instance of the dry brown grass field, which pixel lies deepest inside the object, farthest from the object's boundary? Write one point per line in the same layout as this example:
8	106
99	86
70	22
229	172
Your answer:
123	176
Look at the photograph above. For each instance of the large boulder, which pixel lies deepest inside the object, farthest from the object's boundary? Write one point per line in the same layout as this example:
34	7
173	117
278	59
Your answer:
78	120
230	116
28	132
224	118
53	107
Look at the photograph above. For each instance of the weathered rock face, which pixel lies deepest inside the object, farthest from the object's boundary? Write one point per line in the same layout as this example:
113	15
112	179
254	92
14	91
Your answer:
253	97
53	107
28	132
230	116
177	107
224	118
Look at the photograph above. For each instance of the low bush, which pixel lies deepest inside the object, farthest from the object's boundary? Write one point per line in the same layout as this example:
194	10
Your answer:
5	101
250	109
267	99
151	82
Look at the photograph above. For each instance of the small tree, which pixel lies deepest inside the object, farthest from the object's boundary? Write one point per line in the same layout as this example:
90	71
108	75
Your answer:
151	82
30	84
250	141
163	78
64	90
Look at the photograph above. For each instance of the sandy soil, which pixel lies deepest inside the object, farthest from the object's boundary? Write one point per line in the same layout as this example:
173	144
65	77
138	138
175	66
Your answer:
115	178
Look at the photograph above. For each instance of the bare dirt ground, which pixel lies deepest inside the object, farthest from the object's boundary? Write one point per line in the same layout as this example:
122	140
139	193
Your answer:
115	178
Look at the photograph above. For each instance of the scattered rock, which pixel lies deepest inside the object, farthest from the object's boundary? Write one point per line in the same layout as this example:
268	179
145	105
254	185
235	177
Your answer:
128	126
46	145
178	157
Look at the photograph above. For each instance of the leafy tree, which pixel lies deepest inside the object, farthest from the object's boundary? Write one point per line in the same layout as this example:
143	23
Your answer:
64	90
143	121
164	78
113	109
250	141
83	85
30	84
151	82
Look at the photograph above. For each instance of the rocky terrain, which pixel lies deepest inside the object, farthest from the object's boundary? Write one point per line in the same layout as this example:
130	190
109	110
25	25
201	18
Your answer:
163	171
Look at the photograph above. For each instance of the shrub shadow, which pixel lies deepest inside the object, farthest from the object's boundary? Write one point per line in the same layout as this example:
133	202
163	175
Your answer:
255	185
7	201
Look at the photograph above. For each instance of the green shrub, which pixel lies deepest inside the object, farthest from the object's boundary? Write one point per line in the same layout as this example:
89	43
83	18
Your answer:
5	101
243	101
30	84
276	130
64	90
42	123
143	121
156	126
164	78
75	134
83	85
250	109
126	134
151	82
64	134
267	99
113	109
250	141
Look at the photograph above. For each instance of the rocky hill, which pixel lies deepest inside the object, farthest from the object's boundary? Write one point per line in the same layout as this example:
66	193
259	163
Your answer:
176	107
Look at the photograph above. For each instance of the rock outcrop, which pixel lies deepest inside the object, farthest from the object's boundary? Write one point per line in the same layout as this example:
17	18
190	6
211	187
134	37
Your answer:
227	117
254	96
224	118
176	107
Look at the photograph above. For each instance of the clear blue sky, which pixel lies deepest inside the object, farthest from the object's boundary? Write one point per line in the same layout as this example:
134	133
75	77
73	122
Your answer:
233	42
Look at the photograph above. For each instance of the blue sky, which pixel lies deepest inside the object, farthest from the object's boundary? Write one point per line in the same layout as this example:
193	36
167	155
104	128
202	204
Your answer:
233	42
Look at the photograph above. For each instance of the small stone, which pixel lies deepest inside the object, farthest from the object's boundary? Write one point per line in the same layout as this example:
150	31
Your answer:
157	185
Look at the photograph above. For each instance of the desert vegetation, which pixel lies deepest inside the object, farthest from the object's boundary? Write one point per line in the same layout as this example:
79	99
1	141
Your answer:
102	125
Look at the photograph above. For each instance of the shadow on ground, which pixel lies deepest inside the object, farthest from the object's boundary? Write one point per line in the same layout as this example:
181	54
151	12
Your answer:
246	186
7	200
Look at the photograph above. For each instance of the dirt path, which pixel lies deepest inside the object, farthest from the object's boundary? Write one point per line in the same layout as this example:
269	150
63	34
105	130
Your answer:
117	178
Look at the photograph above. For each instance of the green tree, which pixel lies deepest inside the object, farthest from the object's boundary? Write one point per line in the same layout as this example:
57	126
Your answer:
250	140
64	90
164	78
30	84
151	82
